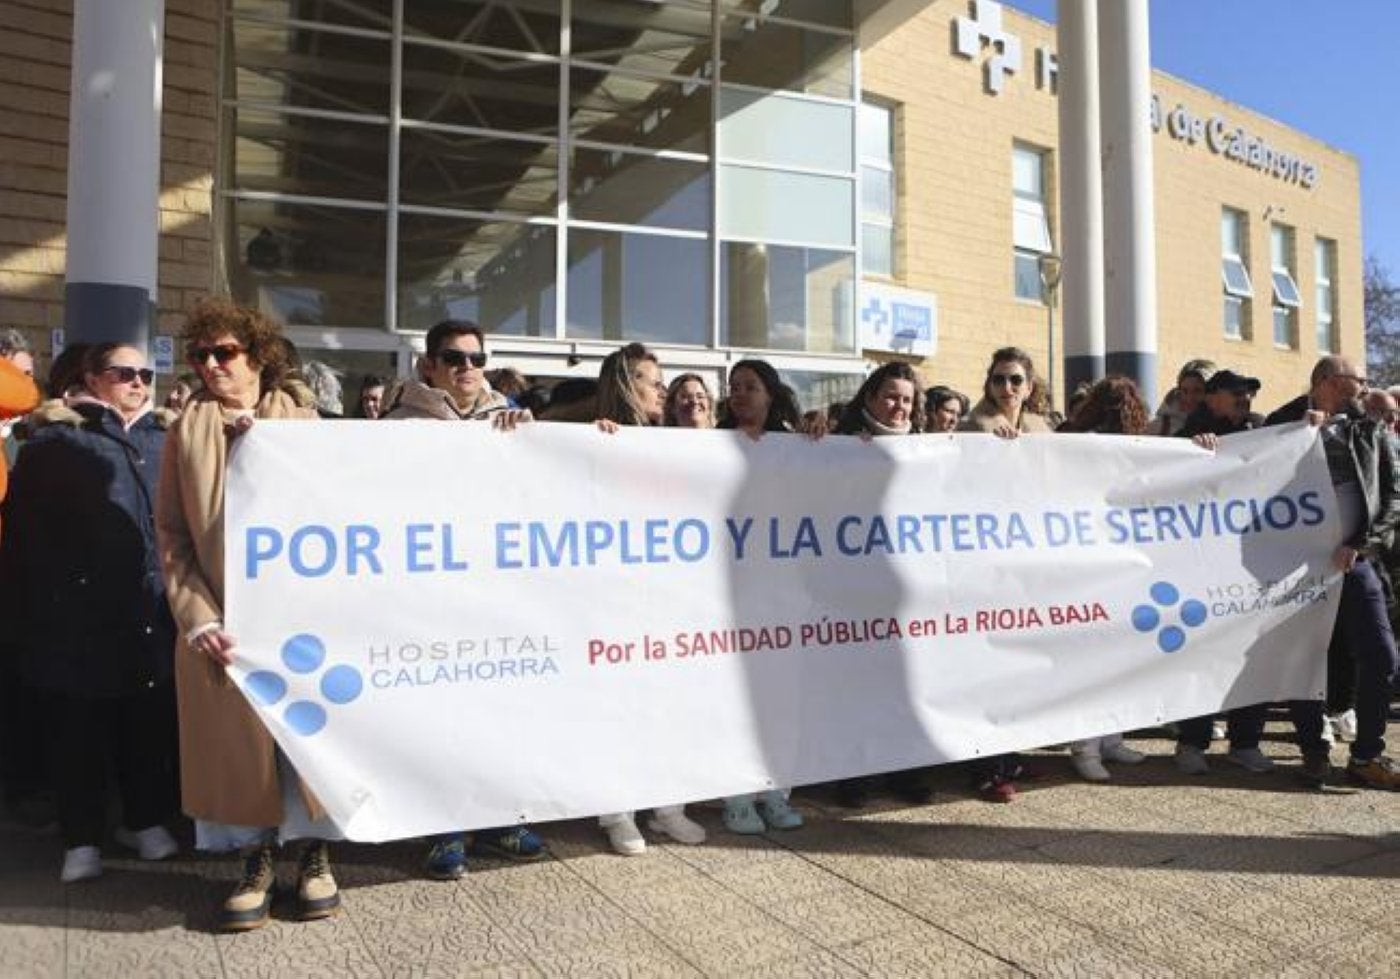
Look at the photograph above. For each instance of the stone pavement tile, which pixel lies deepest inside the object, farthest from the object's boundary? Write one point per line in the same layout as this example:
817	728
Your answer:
841	917
964	840
1293	853
820	965
724	948
435	928
33	910
1024	872
725	851
794	876
925	952
1369	952
1210	809
599	961
1016	931
1102	961
1110	850
328	949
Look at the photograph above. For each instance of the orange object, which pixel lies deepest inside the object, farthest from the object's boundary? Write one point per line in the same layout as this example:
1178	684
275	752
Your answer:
18	395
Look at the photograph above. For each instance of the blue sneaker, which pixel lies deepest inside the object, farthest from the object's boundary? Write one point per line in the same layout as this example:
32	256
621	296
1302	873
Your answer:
447	860
513	843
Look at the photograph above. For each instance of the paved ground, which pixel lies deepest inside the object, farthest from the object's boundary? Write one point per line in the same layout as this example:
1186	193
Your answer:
1153	875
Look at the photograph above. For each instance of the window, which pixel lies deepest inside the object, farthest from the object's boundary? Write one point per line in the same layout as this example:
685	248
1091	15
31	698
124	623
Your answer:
877	188
681	171
1239	290
1324	298
1286	299
1030	225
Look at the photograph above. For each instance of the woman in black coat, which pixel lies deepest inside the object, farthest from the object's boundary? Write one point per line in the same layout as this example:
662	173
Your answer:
87	609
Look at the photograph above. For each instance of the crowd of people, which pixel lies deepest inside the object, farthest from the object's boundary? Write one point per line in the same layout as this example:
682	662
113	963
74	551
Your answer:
112	562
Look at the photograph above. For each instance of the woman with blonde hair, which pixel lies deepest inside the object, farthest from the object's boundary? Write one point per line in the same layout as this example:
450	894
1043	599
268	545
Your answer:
631	393
239	788
689	403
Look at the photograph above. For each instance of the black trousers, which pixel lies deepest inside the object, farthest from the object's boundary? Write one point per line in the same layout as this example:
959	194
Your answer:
132	736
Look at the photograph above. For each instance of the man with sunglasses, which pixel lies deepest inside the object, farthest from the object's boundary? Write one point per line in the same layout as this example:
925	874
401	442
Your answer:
88	606
451	383
452	386
1362	463
1226	409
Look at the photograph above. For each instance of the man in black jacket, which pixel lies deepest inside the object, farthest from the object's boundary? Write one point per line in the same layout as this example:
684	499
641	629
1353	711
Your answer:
1362	463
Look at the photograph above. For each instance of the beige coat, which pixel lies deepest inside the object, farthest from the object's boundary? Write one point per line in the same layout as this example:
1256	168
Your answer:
228	766
985	416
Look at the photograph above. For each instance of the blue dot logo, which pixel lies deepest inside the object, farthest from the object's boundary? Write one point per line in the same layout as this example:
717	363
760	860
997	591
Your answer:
304	655
1171	638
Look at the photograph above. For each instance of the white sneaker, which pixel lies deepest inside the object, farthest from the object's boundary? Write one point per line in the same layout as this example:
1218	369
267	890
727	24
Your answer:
1250	759
623	834
1119	752
1090	768
1191	760
672	821
1344	724
151	843
81	863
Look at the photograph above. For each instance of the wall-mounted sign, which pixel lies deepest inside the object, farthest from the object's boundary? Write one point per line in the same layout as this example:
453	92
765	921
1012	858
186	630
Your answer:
985	29
163	349
1233	142
898	320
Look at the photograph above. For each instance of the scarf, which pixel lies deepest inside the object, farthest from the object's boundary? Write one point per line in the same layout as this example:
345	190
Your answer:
878	429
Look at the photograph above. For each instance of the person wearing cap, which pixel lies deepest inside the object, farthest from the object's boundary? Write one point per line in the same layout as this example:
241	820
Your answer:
1183	399
1361	460
1224	410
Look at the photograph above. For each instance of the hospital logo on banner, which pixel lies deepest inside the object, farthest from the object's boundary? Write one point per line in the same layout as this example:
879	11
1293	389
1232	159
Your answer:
1168	616
303	656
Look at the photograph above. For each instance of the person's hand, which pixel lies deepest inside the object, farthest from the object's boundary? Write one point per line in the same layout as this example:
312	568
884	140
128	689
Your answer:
1344	558
1314	418
216	644
1005	431
239	425
510	419
607	425
1207	441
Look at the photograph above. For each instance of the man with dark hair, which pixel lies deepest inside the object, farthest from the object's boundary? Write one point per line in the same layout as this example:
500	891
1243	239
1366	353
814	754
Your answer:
1362	463
451	386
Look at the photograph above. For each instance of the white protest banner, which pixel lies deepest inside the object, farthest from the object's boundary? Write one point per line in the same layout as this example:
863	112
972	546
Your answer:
449	627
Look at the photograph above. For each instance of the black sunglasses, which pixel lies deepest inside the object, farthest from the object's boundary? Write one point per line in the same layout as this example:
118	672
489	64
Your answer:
1015	380
460	358
126	374
221	352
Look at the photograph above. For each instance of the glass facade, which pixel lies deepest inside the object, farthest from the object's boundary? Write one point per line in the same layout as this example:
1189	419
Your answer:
1030	222
671	171
1234	271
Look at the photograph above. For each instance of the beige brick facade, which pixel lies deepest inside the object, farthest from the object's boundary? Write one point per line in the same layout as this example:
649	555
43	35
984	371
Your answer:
35	78
953	152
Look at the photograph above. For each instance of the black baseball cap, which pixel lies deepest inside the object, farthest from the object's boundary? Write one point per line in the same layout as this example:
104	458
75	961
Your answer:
1230	381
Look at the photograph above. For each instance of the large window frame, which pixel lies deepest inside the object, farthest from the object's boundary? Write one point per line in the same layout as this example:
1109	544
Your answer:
817	84
1286	299
1234	274
879	188
1031	236
1325	294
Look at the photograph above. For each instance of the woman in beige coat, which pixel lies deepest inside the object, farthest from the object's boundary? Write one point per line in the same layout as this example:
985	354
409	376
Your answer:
234	782
1004	408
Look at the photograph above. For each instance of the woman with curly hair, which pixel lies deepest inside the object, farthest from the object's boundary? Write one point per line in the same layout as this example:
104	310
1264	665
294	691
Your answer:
235	783
1111	406
689	403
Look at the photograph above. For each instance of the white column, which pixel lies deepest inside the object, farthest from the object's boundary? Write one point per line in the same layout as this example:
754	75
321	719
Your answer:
1081	192
114	170
1130	253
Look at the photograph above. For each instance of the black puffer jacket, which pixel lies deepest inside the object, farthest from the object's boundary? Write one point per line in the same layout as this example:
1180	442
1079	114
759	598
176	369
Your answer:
84	596
1373	456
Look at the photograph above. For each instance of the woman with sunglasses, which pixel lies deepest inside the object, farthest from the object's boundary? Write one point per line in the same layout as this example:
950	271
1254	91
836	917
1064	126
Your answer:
241	791
631	393
1006	405
1004	411
88	606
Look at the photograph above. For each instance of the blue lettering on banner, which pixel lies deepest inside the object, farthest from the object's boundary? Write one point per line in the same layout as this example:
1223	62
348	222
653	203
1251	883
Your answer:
319	551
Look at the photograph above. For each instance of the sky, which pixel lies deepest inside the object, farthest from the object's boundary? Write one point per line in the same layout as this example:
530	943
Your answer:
1327	67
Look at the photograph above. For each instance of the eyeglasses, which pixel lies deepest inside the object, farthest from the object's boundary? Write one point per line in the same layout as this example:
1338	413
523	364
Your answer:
126	374
221	352
461	358
1008	380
